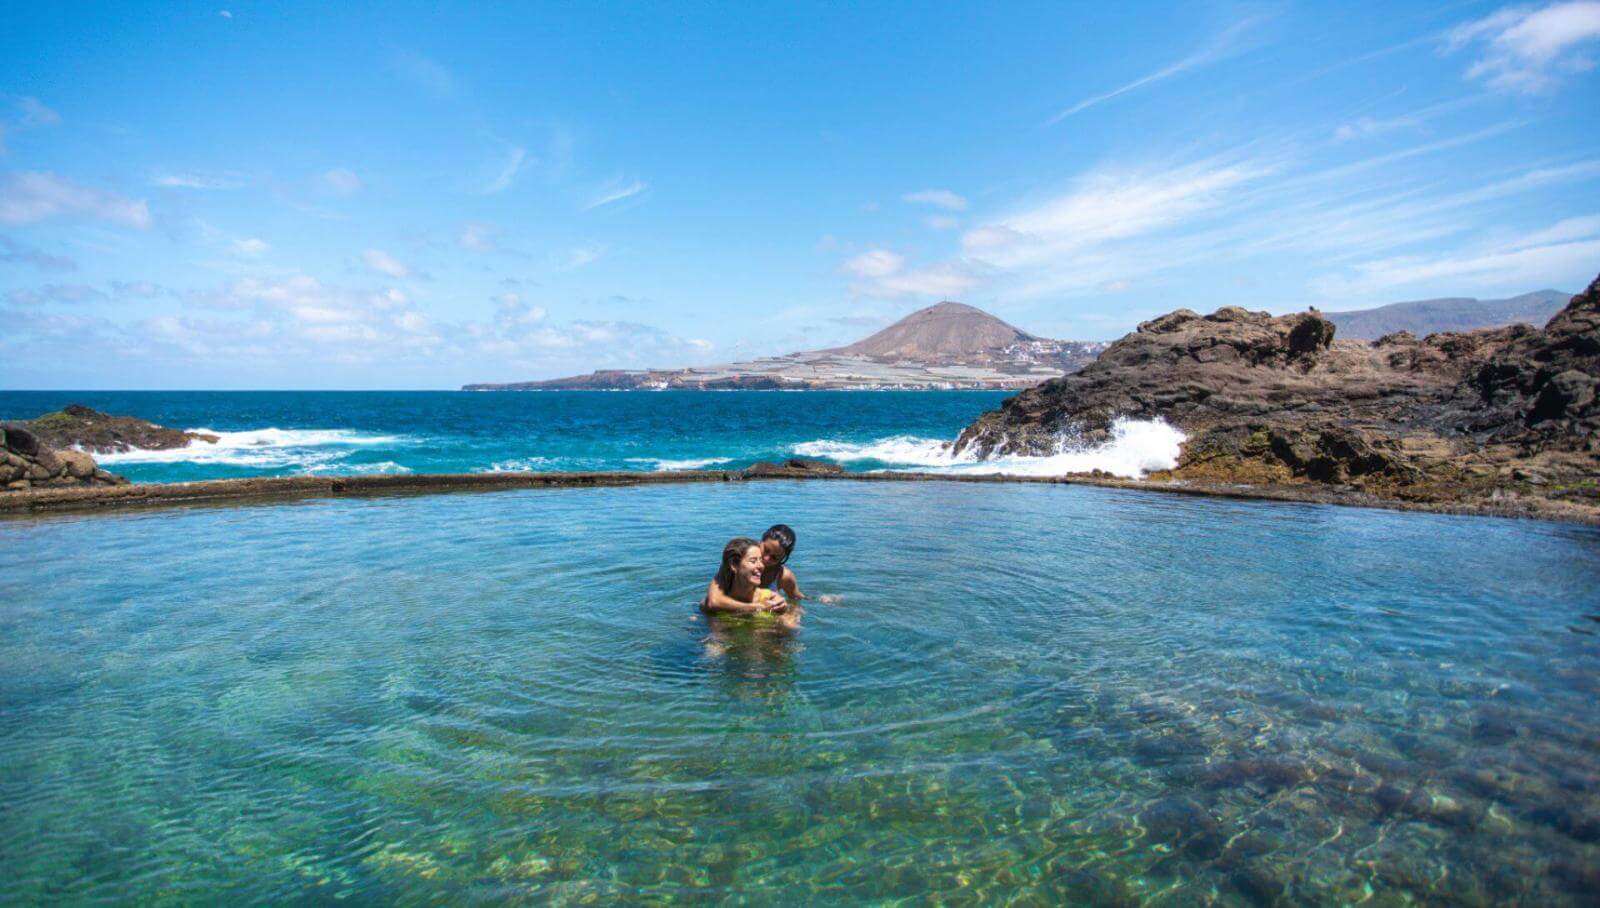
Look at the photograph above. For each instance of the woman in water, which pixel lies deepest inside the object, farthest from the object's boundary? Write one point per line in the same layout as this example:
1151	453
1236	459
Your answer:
777	544
737	589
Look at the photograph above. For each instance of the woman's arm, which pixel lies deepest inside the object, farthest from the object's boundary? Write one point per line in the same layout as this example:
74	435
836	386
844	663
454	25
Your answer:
718	601
791	585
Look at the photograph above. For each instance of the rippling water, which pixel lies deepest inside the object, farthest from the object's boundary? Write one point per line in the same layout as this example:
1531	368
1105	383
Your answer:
1024	692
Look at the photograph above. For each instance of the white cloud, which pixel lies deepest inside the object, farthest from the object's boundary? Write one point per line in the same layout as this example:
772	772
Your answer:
13	251
340	182
942	222
478	237
943	198
431	77
883	273
615	191
385	264
580	256
1529	50
34	114
198	181
506	170
1103	207
1219	48
55	293
875	263
250	247
28	197
945	279
1566	249
224	14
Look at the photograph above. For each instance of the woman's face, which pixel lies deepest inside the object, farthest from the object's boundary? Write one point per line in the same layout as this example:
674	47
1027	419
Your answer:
771	554
750	566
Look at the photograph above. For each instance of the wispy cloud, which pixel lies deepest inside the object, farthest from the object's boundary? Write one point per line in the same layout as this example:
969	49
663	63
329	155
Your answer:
615	191
478	237
506	170
942	198
55	293
340	182
579	256
1567	247
13	251
29	197
198	181
1221	47
1528	50
430	77
883	273
385	264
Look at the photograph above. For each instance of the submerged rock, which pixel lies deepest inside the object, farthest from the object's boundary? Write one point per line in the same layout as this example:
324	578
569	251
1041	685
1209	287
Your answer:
77	426
26	462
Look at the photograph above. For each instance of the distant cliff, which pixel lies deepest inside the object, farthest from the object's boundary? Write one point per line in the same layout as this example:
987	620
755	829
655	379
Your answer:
949	345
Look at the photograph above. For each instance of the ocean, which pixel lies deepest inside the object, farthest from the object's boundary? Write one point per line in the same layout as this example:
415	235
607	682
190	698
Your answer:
1020	694
274	433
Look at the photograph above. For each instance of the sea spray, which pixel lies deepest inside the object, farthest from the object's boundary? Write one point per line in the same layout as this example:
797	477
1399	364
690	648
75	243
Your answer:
305	449
1136	447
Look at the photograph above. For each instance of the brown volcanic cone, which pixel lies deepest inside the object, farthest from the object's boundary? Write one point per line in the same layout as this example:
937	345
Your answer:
942	331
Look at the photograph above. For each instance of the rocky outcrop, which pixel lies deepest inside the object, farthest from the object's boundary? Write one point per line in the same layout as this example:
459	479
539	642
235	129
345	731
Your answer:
794	466
1511	411
26	462
77	426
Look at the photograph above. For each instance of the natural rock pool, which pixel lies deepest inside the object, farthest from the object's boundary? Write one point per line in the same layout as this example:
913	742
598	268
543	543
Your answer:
1026	692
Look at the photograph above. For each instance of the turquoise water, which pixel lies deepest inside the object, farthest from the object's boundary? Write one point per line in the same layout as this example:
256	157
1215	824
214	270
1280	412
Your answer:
273	433
1025	693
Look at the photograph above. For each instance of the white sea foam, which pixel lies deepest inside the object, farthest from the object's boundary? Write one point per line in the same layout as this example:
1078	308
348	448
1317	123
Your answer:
663	465
901	450
1136	447
384	467
519	465
271	447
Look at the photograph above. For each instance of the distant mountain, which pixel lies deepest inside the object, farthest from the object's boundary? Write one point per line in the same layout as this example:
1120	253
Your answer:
949	345
939	332
1425	317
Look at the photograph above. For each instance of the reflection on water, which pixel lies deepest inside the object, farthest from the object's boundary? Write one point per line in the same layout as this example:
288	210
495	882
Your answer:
1043	694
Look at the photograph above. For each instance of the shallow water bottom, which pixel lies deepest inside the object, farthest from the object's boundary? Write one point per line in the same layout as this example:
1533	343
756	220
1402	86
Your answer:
1024	694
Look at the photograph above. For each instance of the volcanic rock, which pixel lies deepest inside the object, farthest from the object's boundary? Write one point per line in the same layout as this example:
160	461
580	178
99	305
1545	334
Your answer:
77	426
794	466
27	463
1503	413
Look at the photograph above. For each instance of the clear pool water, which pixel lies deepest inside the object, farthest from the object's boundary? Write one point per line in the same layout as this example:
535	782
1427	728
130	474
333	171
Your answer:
1026	693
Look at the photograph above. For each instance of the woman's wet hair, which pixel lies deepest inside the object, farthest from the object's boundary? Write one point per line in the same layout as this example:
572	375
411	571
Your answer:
732	553
784	537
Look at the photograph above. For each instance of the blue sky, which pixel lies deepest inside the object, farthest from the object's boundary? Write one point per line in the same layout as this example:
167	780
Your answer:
349	195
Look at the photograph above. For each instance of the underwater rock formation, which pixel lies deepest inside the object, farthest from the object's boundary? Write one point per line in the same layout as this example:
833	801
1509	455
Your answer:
1504	413
26	462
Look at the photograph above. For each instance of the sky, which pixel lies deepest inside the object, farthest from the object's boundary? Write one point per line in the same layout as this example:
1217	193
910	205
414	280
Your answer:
298	195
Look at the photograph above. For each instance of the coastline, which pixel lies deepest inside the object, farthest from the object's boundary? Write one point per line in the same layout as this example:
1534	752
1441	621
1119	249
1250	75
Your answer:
262	490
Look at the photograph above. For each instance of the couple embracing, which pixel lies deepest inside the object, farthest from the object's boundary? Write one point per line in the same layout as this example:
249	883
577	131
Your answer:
754	579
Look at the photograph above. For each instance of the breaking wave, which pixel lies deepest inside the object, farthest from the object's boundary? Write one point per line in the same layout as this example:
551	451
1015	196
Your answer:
1136	447
694	463
312	450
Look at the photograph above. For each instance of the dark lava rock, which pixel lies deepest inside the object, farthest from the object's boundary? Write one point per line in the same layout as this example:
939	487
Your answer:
26	462
1269	399
77	426
792	467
